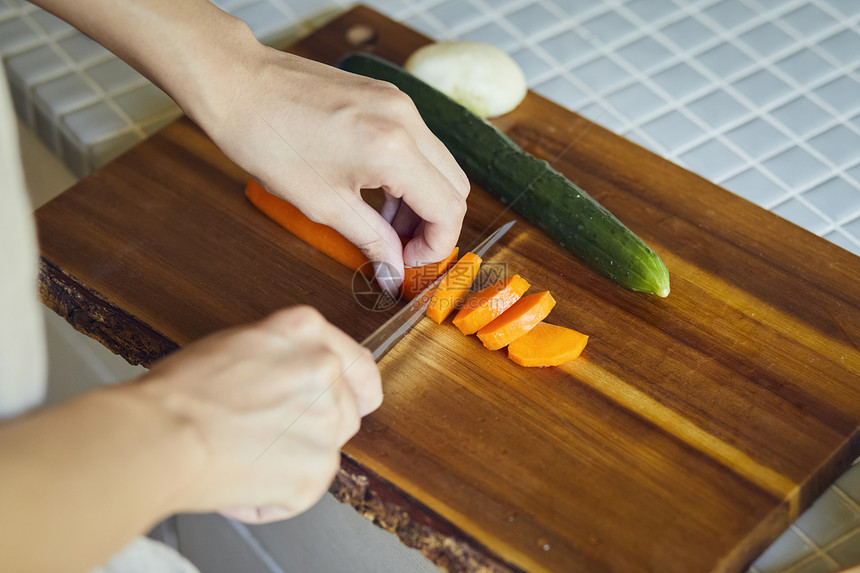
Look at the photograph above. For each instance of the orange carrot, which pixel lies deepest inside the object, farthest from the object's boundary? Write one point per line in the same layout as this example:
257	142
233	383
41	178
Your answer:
454	287
483	306
317	235
416	279
547	345
524	315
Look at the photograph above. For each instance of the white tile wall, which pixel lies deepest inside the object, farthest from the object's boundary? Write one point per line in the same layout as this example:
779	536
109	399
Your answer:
826	538
760	96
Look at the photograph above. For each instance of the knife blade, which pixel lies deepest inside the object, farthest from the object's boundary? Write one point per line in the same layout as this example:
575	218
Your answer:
396	327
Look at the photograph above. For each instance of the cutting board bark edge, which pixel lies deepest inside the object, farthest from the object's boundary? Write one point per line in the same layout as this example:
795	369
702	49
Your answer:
417	526
92	314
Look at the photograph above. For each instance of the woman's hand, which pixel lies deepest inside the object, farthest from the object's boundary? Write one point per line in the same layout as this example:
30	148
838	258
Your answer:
309	133
316	136
249	420
272	404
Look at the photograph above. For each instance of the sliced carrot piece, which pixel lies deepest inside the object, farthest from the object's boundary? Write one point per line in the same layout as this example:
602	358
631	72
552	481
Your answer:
483	306
315	234
416	279
454	287
523	315
547	345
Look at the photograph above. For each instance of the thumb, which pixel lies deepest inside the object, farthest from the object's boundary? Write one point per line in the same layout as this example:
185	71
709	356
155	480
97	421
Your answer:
418	251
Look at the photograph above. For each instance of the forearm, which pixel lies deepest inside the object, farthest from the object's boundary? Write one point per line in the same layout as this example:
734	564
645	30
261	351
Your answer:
78	481
189	48
309	133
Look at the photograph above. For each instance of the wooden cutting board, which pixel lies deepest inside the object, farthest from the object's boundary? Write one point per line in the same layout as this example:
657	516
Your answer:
692	431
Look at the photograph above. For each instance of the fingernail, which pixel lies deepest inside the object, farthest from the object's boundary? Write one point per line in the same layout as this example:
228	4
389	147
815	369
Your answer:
385	278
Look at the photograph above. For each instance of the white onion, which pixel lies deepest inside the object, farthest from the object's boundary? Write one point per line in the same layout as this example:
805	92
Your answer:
479	76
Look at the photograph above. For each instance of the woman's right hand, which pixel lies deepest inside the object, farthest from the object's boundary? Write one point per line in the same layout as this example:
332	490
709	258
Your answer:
272	403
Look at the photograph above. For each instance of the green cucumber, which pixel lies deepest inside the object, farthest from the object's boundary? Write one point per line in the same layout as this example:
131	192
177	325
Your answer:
530	186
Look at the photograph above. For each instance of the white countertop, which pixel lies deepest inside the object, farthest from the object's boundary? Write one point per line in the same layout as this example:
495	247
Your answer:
759	96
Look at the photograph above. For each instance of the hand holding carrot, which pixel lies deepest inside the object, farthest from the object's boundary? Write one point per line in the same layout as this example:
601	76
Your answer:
309	133
316	136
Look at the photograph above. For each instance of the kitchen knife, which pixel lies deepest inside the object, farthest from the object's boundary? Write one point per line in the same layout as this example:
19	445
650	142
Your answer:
396	327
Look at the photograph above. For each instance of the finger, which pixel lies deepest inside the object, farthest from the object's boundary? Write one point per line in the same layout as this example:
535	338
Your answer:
360	374
439	156
416	248
349	415
405	221
349	215
427	144
390	208
296	323
429	194
359	371
334	403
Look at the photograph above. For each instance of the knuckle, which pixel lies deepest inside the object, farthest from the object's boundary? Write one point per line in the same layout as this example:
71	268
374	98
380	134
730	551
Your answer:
306	317
350	425
384	129
378	396
366	356
373	379
393	100
325	420
388	138
324	365
457	207
464	187
378	246
374	249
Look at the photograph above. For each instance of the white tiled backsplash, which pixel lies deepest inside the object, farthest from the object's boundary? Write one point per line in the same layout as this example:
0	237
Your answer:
759	96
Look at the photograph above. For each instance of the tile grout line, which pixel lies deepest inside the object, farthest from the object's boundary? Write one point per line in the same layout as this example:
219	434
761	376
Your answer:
853	503
718	134
817	552
73	66
722	37
597	98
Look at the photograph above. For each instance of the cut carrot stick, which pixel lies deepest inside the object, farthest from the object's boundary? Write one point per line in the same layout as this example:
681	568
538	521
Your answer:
523	315
547	345
315	234
483	306
416	279
454	287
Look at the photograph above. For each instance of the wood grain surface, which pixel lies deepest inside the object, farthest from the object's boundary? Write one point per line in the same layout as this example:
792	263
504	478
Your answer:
692	431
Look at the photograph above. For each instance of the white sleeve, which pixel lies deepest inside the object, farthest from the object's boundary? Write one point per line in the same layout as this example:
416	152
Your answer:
23	361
